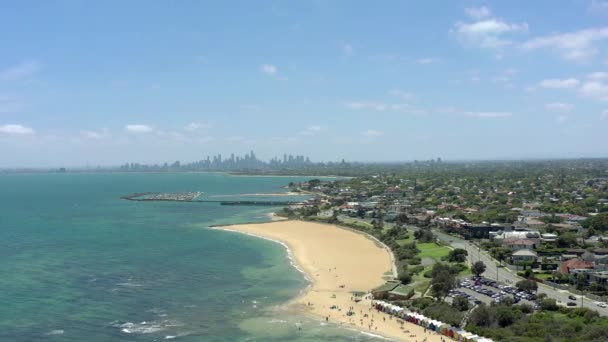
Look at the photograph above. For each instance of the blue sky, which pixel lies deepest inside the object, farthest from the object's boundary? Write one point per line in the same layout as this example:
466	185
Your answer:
103	83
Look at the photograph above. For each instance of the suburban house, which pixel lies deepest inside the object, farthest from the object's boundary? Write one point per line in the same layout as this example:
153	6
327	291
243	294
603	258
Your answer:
519	244
570	266
503	237
548	237
523	256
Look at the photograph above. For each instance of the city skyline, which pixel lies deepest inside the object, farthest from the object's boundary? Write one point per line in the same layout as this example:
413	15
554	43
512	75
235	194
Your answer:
468	80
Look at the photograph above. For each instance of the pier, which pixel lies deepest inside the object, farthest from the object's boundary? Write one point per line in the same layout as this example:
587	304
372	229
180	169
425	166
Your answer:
191	197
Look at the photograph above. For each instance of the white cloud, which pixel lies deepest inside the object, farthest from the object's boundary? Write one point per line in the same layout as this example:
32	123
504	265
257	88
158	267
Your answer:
20	71
269	69
138	128
598	75
15	129
559	83
194	126
401	94
95	134
428	60
313	130
478	12
489	114
372	133
578	45
348	50
377	106
595	89
486	32
561	118
530	89
598	6
559	106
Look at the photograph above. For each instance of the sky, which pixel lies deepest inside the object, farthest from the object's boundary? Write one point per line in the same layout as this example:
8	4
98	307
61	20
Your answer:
86	83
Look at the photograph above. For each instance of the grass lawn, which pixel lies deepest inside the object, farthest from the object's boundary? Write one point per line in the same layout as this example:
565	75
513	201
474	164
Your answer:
432	250
410	238
357	222
542	276
465	273
419	282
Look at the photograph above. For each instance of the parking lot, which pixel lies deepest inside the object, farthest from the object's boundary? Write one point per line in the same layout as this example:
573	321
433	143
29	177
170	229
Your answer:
481	290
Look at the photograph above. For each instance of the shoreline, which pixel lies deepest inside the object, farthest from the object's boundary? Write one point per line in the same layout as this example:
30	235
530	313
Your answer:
337	263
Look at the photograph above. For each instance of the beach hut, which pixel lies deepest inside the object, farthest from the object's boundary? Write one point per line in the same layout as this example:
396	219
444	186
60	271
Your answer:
465	336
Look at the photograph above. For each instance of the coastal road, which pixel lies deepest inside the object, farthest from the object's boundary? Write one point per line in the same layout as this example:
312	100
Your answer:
505	275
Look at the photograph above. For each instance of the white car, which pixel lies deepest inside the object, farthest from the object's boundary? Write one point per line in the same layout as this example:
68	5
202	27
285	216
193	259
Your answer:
602	305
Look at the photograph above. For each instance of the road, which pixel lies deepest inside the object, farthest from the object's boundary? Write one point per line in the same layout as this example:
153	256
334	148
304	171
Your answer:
505	275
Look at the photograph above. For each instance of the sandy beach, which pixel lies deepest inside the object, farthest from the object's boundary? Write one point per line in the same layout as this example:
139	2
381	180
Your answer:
338	262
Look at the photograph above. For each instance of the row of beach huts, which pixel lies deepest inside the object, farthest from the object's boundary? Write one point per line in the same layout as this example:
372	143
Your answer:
428	323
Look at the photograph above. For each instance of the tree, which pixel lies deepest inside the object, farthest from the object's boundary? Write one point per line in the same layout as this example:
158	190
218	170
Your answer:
424	235
460	303
482	316
457	255
527	285
501	253
566	240
443	281
478	268
548	304
557	276
504	316
598	222
581	281
405	278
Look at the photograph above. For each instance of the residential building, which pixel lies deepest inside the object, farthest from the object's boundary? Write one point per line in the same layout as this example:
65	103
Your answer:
572	265
523	256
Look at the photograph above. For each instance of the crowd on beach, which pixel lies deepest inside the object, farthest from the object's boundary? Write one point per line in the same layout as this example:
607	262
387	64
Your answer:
368	320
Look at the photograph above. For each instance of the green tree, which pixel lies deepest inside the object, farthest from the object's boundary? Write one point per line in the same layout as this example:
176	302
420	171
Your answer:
504	316
478	268
457	255
501	253
482	316
566	240
548	304
598	222
527	285
460	303
405	278
443	280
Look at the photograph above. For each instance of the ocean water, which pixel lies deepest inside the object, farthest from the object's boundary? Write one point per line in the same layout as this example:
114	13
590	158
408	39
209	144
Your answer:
79	264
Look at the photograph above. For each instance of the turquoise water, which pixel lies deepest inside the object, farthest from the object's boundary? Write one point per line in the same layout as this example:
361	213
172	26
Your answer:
79	264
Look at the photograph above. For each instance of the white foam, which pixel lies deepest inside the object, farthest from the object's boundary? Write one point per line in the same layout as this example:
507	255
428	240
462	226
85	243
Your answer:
373	335
129	284
140	328
55	332
289	253
274	320
170	337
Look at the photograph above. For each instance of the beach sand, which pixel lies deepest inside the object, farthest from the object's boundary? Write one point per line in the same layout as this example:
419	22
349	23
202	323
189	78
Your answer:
338	262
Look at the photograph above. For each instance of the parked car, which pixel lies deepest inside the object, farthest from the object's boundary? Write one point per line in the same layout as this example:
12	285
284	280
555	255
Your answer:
571	304
571	297
602	305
